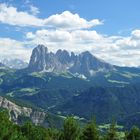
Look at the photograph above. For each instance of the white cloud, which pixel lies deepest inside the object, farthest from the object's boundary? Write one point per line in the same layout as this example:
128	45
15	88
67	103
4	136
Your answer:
34	10
136	34
76	41
10	15
86	36
77	36
30	35
66	20
10	48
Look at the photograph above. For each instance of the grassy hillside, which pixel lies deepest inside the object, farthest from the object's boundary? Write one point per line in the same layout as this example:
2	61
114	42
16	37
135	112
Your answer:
113	94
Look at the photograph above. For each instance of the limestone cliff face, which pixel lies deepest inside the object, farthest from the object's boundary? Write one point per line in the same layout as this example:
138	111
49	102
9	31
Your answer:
83	64
15	111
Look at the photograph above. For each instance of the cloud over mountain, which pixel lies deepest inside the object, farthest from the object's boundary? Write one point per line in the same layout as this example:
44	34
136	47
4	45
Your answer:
68	31
114	49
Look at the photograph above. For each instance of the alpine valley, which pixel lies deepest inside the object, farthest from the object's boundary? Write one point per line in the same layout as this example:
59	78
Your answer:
62	83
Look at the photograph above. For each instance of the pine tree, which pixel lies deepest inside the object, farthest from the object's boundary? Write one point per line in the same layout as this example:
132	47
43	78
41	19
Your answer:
53	134
90	132
8	130
134	134
112	133
71	130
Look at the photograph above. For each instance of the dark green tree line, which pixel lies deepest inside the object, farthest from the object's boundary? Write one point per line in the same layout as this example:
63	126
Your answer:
71	131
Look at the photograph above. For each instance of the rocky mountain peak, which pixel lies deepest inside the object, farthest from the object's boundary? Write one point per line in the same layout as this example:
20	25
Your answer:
62	61
63	56
41	48
86	53
38	58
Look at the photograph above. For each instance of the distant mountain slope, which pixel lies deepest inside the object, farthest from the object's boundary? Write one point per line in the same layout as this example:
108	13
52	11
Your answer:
14	63
104	103
130	120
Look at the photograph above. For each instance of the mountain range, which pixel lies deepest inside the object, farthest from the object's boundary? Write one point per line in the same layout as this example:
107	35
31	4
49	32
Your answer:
14	63
82	85
84	64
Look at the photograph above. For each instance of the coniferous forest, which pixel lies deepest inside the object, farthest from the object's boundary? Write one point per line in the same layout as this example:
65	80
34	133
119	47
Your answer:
71	130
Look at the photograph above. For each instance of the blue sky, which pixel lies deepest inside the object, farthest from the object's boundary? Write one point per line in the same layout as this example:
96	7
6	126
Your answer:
109	29
119	15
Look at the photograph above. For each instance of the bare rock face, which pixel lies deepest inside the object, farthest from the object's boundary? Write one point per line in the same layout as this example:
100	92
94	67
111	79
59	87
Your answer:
83	64
88	65
63	57
42	60
37	117
38	58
